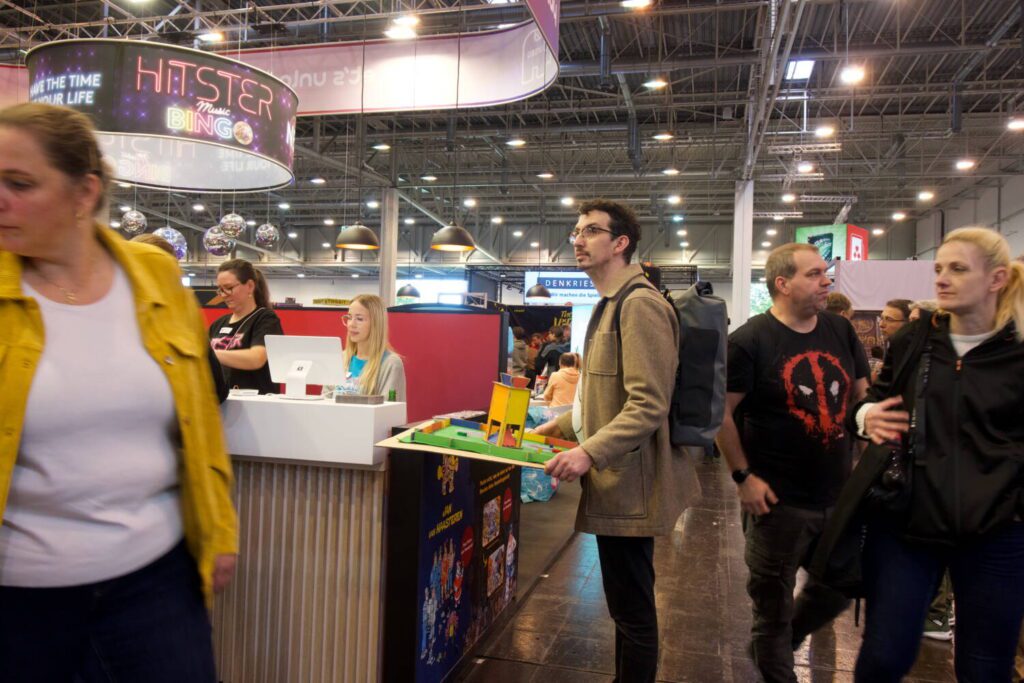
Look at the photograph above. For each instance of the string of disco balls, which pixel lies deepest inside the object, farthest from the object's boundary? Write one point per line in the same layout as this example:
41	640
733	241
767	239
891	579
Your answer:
218	240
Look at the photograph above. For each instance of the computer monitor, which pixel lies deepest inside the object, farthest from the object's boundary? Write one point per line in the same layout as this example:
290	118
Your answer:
298	361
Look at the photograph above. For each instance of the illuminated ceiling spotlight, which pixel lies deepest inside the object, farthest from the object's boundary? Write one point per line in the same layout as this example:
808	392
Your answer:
766	244
662	137
568	201
825	130
195	207
125	208
403	27
328	221
636	4
534	244
382	147
292	235
211	37
373	204
517	233
544	175
878	231
684	245
124	185
251	223
318	180
469	202
497	220
284	206
1015	124
428	178
671	171
925	195
778	219
965	164
410	221
852	74
115	224
771	232
899	216
515	142
656	83
326	245
678	218
805	167
674	199
789	198
681	233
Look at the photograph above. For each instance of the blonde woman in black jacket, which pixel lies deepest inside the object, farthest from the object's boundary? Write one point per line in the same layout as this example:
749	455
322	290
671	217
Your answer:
962	409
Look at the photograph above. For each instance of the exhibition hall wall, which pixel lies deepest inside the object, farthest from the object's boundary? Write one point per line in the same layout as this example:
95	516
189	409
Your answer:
992	207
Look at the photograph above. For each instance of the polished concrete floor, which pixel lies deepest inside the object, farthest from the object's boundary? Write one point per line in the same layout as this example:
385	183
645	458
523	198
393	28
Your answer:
561	632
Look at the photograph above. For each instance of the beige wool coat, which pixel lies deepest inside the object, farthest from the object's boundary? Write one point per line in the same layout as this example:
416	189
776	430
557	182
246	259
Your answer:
640	483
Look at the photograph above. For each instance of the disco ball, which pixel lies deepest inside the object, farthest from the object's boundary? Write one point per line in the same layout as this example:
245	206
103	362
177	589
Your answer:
216	242
267	236
232	225
133	222
175	239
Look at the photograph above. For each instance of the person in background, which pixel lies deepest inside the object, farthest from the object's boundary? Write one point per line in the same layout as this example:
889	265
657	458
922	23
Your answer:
967	497
561	387
115	485
930	305
369	358
520	356
839	304
547	359
238	338
215	368
894	316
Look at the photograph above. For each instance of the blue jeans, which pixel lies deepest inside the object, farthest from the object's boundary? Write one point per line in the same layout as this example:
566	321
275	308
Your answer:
901	579
150	625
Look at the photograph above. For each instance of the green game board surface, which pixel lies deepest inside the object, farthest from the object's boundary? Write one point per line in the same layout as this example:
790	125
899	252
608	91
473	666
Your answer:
473	441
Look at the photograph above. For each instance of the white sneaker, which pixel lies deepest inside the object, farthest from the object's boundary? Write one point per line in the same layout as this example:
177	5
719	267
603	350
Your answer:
938	629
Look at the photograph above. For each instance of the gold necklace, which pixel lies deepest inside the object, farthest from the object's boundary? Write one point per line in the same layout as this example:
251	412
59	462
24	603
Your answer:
70	296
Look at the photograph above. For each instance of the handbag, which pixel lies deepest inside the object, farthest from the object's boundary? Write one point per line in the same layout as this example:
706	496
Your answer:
890	494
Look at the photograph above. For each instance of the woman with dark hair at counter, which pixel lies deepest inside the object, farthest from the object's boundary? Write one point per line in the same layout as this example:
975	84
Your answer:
117	521
238	338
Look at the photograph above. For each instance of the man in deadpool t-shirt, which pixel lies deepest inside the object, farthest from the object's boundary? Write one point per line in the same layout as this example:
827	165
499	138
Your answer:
793	373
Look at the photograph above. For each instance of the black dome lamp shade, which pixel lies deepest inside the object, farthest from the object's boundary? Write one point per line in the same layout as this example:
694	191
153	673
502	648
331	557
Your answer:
452	237
408	291
538	291
357	236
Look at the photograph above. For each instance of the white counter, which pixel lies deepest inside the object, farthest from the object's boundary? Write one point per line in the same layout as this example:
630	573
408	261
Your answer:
313	431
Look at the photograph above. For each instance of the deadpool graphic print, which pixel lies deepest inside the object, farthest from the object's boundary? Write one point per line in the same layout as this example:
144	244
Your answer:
817	393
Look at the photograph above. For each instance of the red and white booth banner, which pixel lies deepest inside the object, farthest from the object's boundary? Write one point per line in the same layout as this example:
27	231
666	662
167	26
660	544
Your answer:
443	72
434	72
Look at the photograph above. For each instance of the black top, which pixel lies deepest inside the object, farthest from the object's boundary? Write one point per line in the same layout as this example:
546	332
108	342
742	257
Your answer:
547	359
798	389
246	333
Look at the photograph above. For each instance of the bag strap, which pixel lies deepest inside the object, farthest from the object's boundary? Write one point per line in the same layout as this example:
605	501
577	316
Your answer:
598	313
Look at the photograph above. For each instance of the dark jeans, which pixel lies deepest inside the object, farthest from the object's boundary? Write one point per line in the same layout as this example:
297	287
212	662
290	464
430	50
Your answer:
900	580
627	569
150	625
778	544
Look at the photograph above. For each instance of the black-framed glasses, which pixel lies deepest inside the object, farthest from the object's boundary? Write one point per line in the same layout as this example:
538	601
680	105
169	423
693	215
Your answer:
588	232
226	291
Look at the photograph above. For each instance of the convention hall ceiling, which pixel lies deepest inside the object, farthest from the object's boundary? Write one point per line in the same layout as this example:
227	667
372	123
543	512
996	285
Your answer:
942	78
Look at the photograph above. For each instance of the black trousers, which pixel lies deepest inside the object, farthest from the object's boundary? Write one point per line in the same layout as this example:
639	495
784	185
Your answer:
627	570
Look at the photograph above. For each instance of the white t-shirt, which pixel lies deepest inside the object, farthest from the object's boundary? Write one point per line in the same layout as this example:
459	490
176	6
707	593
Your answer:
94	493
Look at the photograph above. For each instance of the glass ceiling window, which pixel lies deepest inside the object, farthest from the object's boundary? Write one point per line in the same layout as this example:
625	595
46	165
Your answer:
799	69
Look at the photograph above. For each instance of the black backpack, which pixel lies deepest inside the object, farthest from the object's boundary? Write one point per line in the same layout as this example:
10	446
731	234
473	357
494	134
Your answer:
698	400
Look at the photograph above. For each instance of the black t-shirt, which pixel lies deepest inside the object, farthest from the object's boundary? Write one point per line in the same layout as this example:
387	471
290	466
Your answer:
799	387
245	334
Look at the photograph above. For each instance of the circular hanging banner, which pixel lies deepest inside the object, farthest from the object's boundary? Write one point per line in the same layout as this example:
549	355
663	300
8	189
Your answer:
170	116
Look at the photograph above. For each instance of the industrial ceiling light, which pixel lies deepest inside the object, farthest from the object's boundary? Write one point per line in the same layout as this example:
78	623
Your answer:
671	171
211	37
965	164
326	245
544	175
766	244
877	231
684	245
517	233
357	236
825	130
538	291
328	221
852	74
284	206
428	178
899	216
408	292
778	219
469	202
318	180
403	27
681	233
1015	124
373	204
636	4
662	137
515	142
674	199
805	167
292	235
452	238
656	83
925	195
568	201
300	275
195	207
382	147
678	218
410	221
771	232
789	198
497	220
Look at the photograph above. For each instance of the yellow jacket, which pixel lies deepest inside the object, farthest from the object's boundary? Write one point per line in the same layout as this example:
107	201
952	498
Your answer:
175	336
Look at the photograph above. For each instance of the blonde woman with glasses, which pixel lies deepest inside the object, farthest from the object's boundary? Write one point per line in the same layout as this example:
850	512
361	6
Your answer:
369	359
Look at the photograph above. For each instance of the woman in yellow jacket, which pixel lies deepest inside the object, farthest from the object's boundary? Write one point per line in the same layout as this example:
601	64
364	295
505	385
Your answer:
117	522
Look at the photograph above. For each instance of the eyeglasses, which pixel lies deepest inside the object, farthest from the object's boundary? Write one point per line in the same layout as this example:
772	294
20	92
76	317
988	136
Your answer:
226	291
588	232
348	318
890	319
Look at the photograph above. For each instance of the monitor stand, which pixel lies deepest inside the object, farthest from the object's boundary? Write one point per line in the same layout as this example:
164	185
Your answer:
295	382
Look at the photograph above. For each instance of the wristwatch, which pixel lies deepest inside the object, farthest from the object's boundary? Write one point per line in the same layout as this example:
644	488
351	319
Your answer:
740	476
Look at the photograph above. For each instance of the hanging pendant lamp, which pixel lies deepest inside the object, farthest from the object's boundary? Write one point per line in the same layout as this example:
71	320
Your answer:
538	291
408	291
357	236
452	237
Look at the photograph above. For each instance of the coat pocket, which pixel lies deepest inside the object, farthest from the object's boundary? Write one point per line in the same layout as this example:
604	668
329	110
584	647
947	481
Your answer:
603	354
618	492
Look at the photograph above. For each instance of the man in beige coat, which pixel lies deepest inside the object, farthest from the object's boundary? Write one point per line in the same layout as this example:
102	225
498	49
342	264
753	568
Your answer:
635	483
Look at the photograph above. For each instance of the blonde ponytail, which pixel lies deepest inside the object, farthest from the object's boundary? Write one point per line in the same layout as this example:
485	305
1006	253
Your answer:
1011	300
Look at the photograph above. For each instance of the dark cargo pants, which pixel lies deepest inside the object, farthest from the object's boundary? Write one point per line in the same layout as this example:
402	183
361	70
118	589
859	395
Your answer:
778	544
